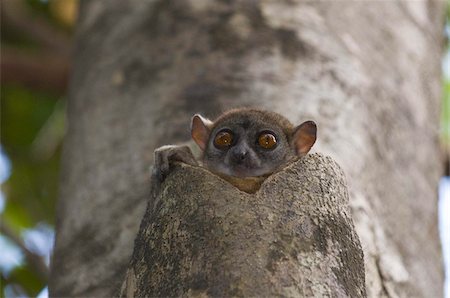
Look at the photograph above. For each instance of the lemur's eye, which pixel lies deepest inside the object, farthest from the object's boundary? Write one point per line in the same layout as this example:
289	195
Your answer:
267	140
223	139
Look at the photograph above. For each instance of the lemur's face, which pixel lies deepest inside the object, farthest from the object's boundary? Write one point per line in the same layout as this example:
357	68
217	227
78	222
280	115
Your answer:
246	147
249	142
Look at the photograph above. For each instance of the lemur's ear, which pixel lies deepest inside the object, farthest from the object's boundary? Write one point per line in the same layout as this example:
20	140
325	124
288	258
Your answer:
304	137
200	130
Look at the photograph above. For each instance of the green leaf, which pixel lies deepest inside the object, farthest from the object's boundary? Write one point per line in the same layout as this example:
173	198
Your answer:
28	280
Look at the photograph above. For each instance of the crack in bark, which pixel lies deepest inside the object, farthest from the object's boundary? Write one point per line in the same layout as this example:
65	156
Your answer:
384	290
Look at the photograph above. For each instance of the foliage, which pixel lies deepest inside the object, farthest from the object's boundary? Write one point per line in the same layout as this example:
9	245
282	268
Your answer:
32	128
31	188
31	123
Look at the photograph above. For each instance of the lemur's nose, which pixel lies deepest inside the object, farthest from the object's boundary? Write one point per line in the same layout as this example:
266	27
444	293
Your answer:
239	155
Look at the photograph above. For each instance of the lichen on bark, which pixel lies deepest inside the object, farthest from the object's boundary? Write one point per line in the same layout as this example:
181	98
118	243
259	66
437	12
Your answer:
294	237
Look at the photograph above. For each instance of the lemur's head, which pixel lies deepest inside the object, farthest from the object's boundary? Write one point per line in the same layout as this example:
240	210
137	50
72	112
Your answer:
250	142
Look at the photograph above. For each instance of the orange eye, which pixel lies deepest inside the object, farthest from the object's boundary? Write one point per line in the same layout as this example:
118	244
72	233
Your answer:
223	139
267	140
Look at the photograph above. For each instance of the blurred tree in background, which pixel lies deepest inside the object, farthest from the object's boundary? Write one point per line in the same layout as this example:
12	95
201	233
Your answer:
35	62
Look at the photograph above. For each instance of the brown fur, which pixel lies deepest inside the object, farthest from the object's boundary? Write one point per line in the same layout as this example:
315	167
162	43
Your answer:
248	185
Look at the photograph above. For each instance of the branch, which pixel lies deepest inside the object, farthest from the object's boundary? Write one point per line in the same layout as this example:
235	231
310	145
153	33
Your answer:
33	259
16	15
37	71
294	237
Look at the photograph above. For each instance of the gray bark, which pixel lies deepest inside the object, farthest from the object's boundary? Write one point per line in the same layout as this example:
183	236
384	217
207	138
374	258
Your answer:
294	237
367	72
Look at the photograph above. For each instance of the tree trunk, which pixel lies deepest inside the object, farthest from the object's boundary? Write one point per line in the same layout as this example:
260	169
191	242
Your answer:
293	238
367	72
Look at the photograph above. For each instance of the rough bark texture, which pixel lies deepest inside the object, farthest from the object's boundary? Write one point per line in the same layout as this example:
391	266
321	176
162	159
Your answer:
367	72
294	237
